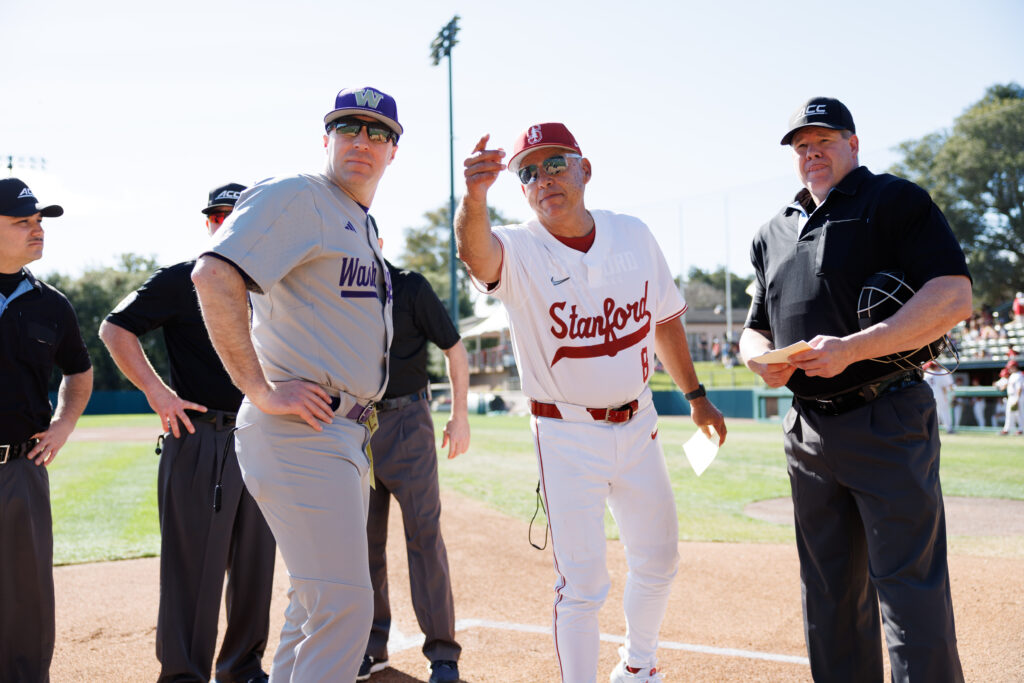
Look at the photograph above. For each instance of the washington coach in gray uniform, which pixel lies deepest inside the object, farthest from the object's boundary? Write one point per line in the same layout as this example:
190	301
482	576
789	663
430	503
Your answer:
311	370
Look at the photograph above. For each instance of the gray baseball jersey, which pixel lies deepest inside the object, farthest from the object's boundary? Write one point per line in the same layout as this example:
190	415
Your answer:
322	302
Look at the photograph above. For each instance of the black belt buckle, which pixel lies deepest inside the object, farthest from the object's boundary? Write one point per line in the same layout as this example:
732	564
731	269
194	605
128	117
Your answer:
5	453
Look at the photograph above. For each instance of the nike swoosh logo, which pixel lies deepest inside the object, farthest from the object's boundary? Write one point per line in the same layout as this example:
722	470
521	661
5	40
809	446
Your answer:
557	282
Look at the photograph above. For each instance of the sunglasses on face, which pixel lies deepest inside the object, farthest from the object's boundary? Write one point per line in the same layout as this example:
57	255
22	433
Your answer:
217	217
375	130
553	165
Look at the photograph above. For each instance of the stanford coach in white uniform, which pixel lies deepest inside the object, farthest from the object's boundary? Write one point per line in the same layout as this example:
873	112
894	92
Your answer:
590	300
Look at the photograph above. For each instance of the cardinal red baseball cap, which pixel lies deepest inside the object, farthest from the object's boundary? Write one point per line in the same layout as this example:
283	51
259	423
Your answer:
17	201
224	197
542	136
366	102
826	112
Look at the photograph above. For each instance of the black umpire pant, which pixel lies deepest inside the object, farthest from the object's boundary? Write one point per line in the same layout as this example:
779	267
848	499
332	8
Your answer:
197	546
27	630
870	529
405	465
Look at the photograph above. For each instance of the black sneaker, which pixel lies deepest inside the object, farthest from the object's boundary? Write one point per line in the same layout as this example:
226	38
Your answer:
444	671
370	665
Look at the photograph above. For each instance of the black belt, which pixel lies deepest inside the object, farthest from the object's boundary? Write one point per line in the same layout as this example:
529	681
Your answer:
400	401
219	418
13	451
862	395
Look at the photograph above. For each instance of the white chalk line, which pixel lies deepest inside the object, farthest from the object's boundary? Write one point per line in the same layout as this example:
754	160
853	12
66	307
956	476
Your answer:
398	641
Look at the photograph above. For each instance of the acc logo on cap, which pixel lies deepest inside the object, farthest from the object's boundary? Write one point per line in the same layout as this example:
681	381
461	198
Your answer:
26	193
366	96
533	136
228	194
815	109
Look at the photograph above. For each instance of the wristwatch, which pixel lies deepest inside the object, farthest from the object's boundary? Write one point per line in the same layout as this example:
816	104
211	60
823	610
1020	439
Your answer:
696	393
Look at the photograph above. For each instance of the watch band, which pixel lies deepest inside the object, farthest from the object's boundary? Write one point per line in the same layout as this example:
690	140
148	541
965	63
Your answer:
696	393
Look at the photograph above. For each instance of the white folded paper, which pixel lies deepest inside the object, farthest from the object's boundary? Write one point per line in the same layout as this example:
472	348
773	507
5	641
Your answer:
700	450
781	355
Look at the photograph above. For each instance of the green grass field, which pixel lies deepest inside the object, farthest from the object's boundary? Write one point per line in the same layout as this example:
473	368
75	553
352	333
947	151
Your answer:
104	495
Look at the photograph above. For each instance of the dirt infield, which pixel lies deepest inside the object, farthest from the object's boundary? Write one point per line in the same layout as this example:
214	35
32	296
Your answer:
734	612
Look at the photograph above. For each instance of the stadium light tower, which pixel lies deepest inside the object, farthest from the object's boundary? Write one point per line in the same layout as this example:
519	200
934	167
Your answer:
442	46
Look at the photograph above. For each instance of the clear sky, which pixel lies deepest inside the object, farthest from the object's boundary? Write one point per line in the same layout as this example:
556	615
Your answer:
139	108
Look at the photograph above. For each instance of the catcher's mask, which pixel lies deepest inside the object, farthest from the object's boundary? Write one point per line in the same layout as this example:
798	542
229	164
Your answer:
882	295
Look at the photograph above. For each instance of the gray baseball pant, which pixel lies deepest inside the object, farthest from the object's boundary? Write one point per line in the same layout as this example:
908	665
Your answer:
313	489
27	630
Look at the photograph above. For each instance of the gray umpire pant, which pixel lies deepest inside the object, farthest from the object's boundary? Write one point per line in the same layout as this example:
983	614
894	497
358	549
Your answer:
197	546
405	465
870	529
26	573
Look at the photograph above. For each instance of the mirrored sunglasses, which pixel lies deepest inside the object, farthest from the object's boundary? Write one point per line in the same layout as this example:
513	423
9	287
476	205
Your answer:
350	126
553	165
217	217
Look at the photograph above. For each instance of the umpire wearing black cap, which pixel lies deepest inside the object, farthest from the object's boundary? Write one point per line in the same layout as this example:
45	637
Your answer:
209	523
38	330
861	438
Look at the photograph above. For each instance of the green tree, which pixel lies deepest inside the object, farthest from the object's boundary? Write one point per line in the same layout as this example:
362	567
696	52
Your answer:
93	295
975	173
427	251
706	289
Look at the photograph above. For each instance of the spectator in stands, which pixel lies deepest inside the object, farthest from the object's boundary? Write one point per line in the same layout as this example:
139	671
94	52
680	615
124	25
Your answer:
1018	309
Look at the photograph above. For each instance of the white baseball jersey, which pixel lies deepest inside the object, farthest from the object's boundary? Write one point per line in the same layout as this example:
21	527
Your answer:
582	324
324	312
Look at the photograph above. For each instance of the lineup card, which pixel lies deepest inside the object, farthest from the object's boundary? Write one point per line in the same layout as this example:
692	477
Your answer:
782	355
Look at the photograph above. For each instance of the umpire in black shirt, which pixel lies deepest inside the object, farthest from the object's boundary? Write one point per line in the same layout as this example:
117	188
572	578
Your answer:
405	465
38	330
209	523
861	438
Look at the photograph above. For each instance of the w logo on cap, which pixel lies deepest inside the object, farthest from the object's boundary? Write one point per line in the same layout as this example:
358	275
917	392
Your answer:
369	97
26	193
533	136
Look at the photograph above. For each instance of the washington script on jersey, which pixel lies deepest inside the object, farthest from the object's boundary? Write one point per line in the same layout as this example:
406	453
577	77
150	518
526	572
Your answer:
360	280
615	318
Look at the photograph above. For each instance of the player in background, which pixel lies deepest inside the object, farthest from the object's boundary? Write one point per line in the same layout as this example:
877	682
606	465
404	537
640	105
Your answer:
942	386
38	330
311	368
590	302
861	438
209	523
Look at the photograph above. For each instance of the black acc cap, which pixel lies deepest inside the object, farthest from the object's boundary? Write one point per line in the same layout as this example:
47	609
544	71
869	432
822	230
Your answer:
17	200
826	112
224	196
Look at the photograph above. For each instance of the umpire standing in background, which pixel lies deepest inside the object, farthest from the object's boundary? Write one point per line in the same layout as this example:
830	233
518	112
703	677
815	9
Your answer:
209	523
861	439
38	330
405	465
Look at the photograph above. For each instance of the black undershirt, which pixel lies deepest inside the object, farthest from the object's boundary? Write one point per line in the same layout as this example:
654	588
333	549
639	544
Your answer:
9	282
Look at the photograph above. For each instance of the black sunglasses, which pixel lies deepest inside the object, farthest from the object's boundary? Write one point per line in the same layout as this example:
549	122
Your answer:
349	126
553	165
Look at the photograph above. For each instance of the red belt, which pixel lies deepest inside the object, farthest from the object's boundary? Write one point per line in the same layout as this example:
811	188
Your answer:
623	413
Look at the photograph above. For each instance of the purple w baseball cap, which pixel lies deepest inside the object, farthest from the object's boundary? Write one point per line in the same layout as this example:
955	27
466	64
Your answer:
366	102
826	112
224	197
17	200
